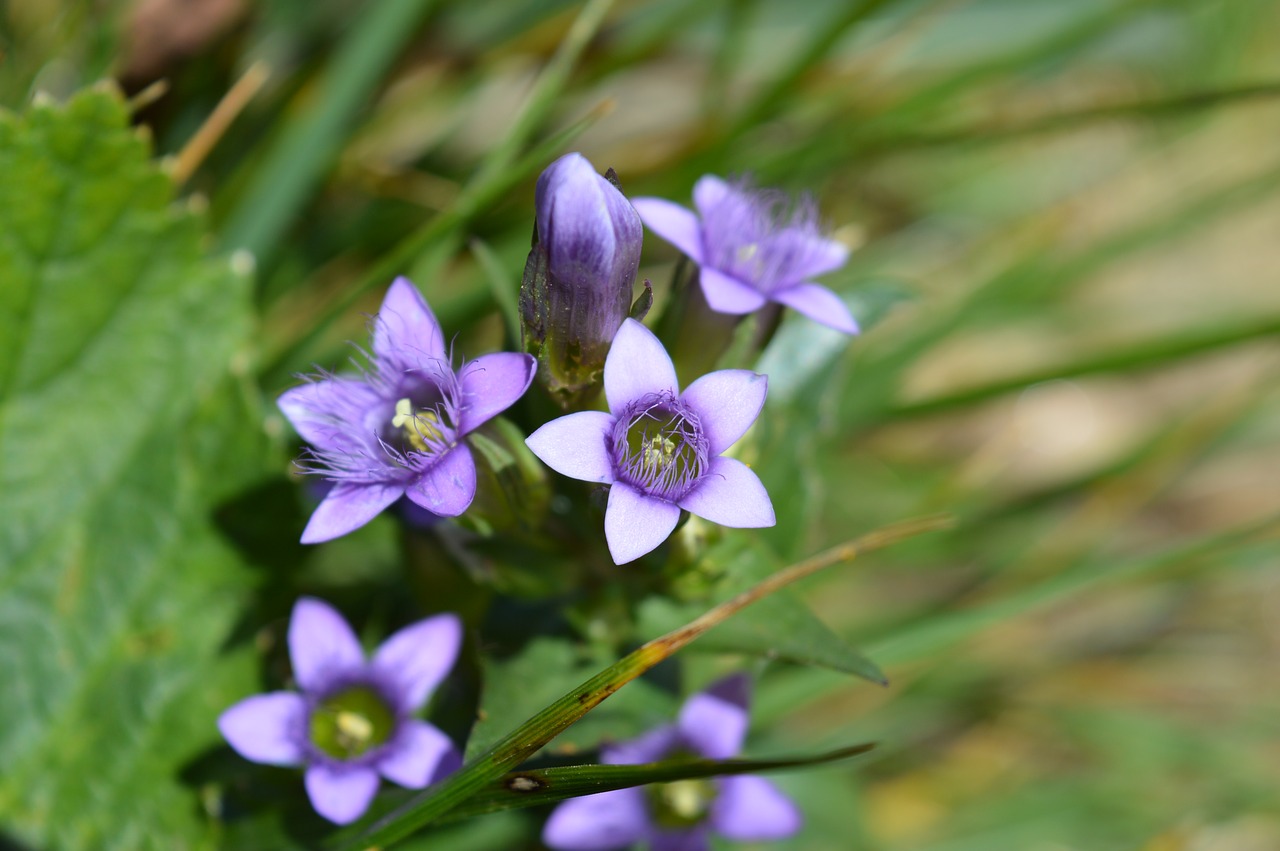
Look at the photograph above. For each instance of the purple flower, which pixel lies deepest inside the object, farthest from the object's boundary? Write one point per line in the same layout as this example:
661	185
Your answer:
578	280
754	247
680	816
354	719
659	449
398	429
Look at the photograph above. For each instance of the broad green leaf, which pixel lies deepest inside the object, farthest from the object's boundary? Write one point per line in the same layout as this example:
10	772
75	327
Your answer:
121	428
549	785
778	627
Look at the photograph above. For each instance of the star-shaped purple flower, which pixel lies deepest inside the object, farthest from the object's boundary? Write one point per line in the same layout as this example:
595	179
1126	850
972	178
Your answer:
680	816
659	449
398	429
353	720
753	247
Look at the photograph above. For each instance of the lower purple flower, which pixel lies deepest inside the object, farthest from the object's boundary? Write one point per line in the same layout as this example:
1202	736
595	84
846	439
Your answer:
680	816
353	720
398	429
659	449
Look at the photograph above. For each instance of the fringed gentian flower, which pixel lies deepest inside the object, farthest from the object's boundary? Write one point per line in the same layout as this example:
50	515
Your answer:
753	247
353	720
659	449
680	816
578	279
398	429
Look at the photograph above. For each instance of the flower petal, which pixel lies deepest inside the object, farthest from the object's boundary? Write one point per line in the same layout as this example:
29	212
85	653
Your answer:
405	329
599	822
267	728
583	220
321	645
411	759
327	413
708	192
635	524
348	507
677	225
696	838
728	295
650	747
449	485
341	793
819	304
751	808
490	384
730	494
576	446
715	721
637	364
820	255
728	402
415	659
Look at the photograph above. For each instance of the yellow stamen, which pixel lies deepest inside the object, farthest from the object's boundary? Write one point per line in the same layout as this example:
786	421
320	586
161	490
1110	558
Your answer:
686	800
658	451
353	729
418	427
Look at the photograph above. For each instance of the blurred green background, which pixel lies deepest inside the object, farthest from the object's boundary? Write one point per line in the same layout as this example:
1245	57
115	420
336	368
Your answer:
1067	219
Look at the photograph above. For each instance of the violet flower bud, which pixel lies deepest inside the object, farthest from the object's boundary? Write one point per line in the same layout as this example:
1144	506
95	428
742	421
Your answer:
578	279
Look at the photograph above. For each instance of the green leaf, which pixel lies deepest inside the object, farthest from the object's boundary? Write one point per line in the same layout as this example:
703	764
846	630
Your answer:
549	785
802	350
437	801
778	627
120	429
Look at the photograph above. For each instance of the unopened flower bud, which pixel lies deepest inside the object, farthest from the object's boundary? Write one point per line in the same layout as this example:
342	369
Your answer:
578	279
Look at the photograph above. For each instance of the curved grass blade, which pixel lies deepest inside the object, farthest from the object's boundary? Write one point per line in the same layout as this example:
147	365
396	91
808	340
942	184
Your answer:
432	804
1155	354
306	149
287	356
549	785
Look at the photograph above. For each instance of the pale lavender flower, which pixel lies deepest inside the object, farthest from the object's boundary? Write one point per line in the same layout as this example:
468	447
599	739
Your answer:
353	720
578	279
753	247
397	430
680	816
659	449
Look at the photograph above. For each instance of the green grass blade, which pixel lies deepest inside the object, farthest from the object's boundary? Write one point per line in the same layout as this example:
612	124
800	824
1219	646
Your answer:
546	90
916	641
784	85
1159	353
289	355
502	285
432	804
549	785
1147	109
308	147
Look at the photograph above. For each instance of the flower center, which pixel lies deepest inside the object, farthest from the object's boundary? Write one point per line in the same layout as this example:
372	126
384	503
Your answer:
351	722
658	446
419	428
762	237
681	804
420	424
